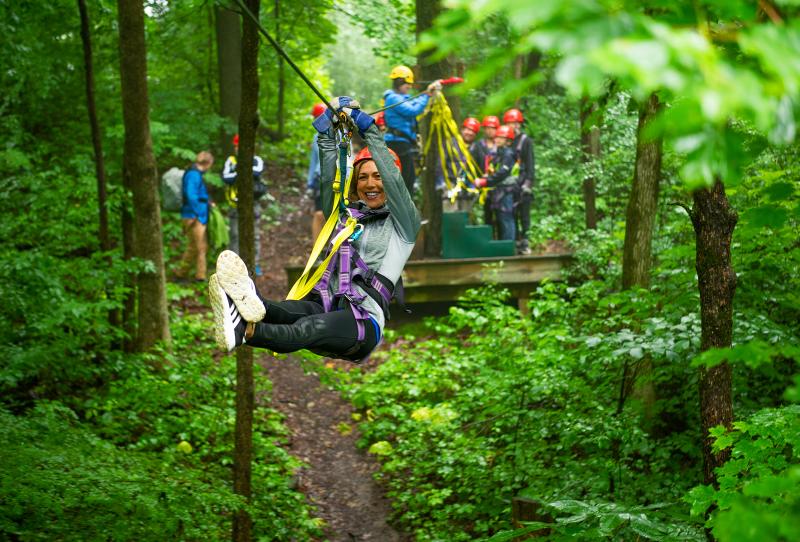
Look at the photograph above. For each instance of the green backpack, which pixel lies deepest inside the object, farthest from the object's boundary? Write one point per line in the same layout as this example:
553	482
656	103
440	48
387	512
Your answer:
172	190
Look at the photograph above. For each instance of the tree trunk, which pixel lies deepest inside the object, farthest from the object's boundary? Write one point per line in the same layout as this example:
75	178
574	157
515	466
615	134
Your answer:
640	217
229	64
714	221
637	259
245	399
139	167
97	142
281	75
590	145
431	198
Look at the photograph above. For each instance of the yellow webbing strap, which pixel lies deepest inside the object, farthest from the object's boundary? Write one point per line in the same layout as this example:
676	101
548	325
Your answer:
454	155
303	286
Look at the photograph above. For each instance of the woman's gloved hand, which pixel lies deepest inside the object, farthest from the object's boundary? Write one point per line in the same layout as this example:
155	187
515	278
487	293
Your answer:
434	87
352	108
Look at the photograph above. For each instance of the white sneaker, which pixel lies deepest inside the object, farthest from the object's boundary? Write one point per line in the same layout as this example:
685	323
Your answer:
229	326
234	279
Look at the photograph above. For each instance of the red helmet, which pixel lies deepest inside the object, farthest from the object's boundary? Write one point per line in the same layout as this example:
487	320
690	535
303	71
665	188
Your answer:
491	122
380	120
513	115
364	155
472	123
236	139
318	109
505	131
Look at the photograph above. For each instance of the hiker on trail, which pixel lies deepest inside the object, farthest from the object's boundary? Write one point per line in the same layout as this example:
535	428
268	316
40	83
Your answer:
401	120
312	183
342	317
194	215
229	176
523	148
502	197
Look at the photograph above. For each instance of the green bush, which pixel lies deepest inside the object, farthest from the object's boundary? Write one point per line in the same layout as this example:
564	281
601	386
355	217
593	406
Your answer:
61	482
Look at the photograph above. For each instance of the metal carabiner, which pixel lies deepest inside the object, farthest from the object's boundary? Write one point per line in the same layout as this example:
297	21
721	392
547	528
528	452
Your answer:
357	233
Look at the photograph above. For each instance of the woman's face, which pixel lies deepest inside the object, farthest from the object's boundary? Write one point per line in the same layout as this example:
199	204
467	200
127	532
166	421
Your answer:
489	132
369	185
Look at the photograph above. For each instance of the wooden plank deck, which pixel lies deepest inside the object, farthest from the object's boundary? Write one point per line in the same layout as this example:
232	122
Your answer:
446	279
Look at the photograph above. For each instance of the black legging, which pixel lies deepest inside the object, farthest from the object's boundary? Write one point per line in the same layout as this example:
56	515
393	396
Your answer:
405	151
304	325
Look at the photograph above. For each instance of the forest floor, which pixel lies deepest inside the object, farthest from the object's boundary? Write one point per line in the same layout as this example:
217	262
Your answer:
338	479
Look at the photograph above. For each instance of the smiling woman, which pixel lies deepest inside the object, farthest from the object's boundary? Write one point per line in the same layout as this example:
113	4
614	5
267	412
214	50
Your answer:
344	314
368	186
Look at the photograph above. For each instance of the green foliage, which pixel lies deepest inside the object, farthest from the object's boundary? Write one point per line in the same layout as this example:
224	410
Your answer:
60	481
469	419
759	490
713	63
150	455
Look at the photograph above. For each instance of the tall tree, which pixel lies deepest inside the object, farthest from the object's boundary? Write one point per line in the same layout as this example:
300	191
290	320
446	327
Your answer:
637	258
245	394
229	63
139	171
97	142
714	221
590	147
431	199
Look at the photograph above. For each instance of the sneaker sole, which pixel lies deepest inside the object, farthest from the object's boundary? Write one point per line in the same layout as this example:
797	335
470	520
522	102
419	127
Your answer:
232	276
215	294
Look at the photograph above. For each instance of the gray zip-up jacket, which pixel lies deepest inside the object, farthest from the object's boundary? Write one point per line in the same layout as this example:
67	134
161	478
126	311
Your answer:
385	245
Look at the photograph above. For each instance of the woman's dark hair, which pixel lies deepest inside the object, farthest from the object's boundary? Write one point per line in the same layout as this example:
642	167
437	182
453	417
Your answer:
398	82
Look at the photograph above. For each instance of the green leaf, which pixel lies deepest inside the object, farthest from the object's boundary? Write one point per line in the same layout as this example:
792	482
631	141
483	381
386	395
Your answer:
765	216
778	191
700	499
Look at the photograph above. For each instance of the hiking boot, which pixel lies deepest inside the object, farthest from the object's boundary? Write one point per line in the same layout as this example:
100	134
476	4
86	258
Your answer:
229	326
234	279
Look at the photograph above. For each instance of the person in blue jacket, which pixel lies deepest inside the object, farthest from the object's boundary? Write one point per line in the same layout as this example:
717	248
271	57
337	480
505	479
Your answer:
194	215
401	120
312	181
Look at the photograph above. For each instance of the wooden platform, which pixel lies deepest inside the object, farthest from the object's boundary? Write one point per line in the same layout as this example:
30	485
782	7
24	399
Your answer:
446	279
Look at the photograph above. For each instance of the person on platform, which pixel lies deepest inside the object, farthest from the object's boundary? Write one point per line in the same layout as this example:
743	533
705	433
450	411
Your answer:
523	148
401	119
500	178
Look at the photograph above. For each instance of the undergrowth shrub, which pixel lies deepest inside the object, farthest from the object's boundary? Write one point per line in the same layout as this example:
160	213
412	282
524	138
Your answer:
497	406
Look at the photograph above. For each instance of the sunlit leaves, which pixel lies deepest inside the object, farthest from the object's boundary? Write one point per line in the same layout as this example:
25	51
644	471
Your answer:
718	63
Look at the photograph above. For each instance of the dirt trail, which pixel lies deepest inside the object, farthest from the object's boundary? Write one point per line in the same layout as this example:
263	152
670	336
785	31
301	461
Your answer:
338	480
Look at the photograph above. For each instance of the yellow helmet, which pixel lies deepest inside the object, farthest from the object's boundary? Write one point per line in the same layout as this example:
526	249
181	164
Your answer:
402	72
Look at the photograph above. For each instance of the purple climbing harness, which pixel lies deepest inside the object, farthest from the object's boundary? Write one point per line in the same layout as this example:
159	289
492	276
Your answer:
351	266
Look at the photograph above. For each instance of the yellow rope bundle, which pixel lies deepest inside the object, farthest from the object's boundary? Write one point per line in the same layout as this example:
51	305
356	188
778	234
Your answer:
458	166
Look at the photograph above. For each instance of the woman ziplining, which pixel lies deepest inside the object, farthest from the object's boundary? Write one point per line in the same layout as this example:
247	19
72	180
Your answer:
341	309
